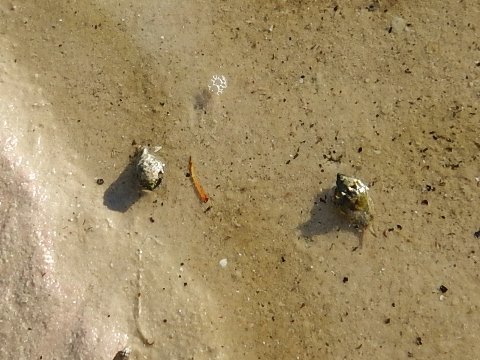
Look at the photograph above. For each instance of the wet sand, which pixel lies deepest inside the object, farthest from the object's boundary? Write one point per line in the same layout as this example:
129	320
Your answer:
385	91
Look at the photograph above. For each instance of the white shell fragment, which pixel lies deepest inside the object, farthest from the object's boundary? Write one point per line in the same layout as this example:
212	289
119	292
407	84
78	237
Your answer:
218	83
149	169
223	263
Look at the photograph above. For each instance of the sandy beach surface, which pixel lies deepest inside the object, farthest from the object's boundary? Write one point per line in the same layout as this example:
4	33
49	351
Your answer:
271	99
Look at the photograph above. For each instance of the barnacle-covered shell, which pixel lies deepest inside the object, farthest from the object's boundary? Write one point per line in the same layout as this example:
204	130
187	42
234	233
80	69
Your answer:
149	169
352	198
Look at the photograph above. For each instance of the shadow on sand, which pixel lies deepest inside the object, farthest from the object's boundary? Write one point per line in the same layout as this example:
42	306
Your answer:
325	218
124	191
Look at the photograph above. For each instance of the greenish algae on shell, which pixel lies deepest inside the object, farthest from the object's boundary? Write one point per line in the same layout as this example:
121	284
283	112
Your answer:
352	198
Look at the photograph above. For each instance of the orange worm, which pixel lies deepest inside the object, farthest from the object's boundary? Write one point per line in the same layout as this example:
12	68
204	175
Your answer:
198	187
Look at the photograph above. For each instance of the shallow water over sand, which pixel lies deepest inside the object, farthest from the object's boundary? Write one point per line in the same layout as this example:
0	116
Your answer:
383	91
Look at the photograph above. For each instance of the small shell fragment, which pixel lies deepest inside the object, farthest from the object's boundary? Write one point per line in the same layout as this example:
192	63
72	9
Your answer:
223	263
351	197
149	169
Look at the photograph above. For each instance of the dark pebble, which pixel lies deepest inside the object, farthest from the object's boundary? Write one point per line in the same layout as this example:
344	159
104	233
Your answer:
443	289
477	234
345	279
418	340
100	181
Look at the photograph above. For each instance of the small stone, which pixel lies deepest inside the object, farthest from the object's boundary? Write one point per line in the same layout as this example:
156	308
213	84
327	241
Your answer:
223	263
443	289
123	354
374	6
398	24
477	234
100	181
